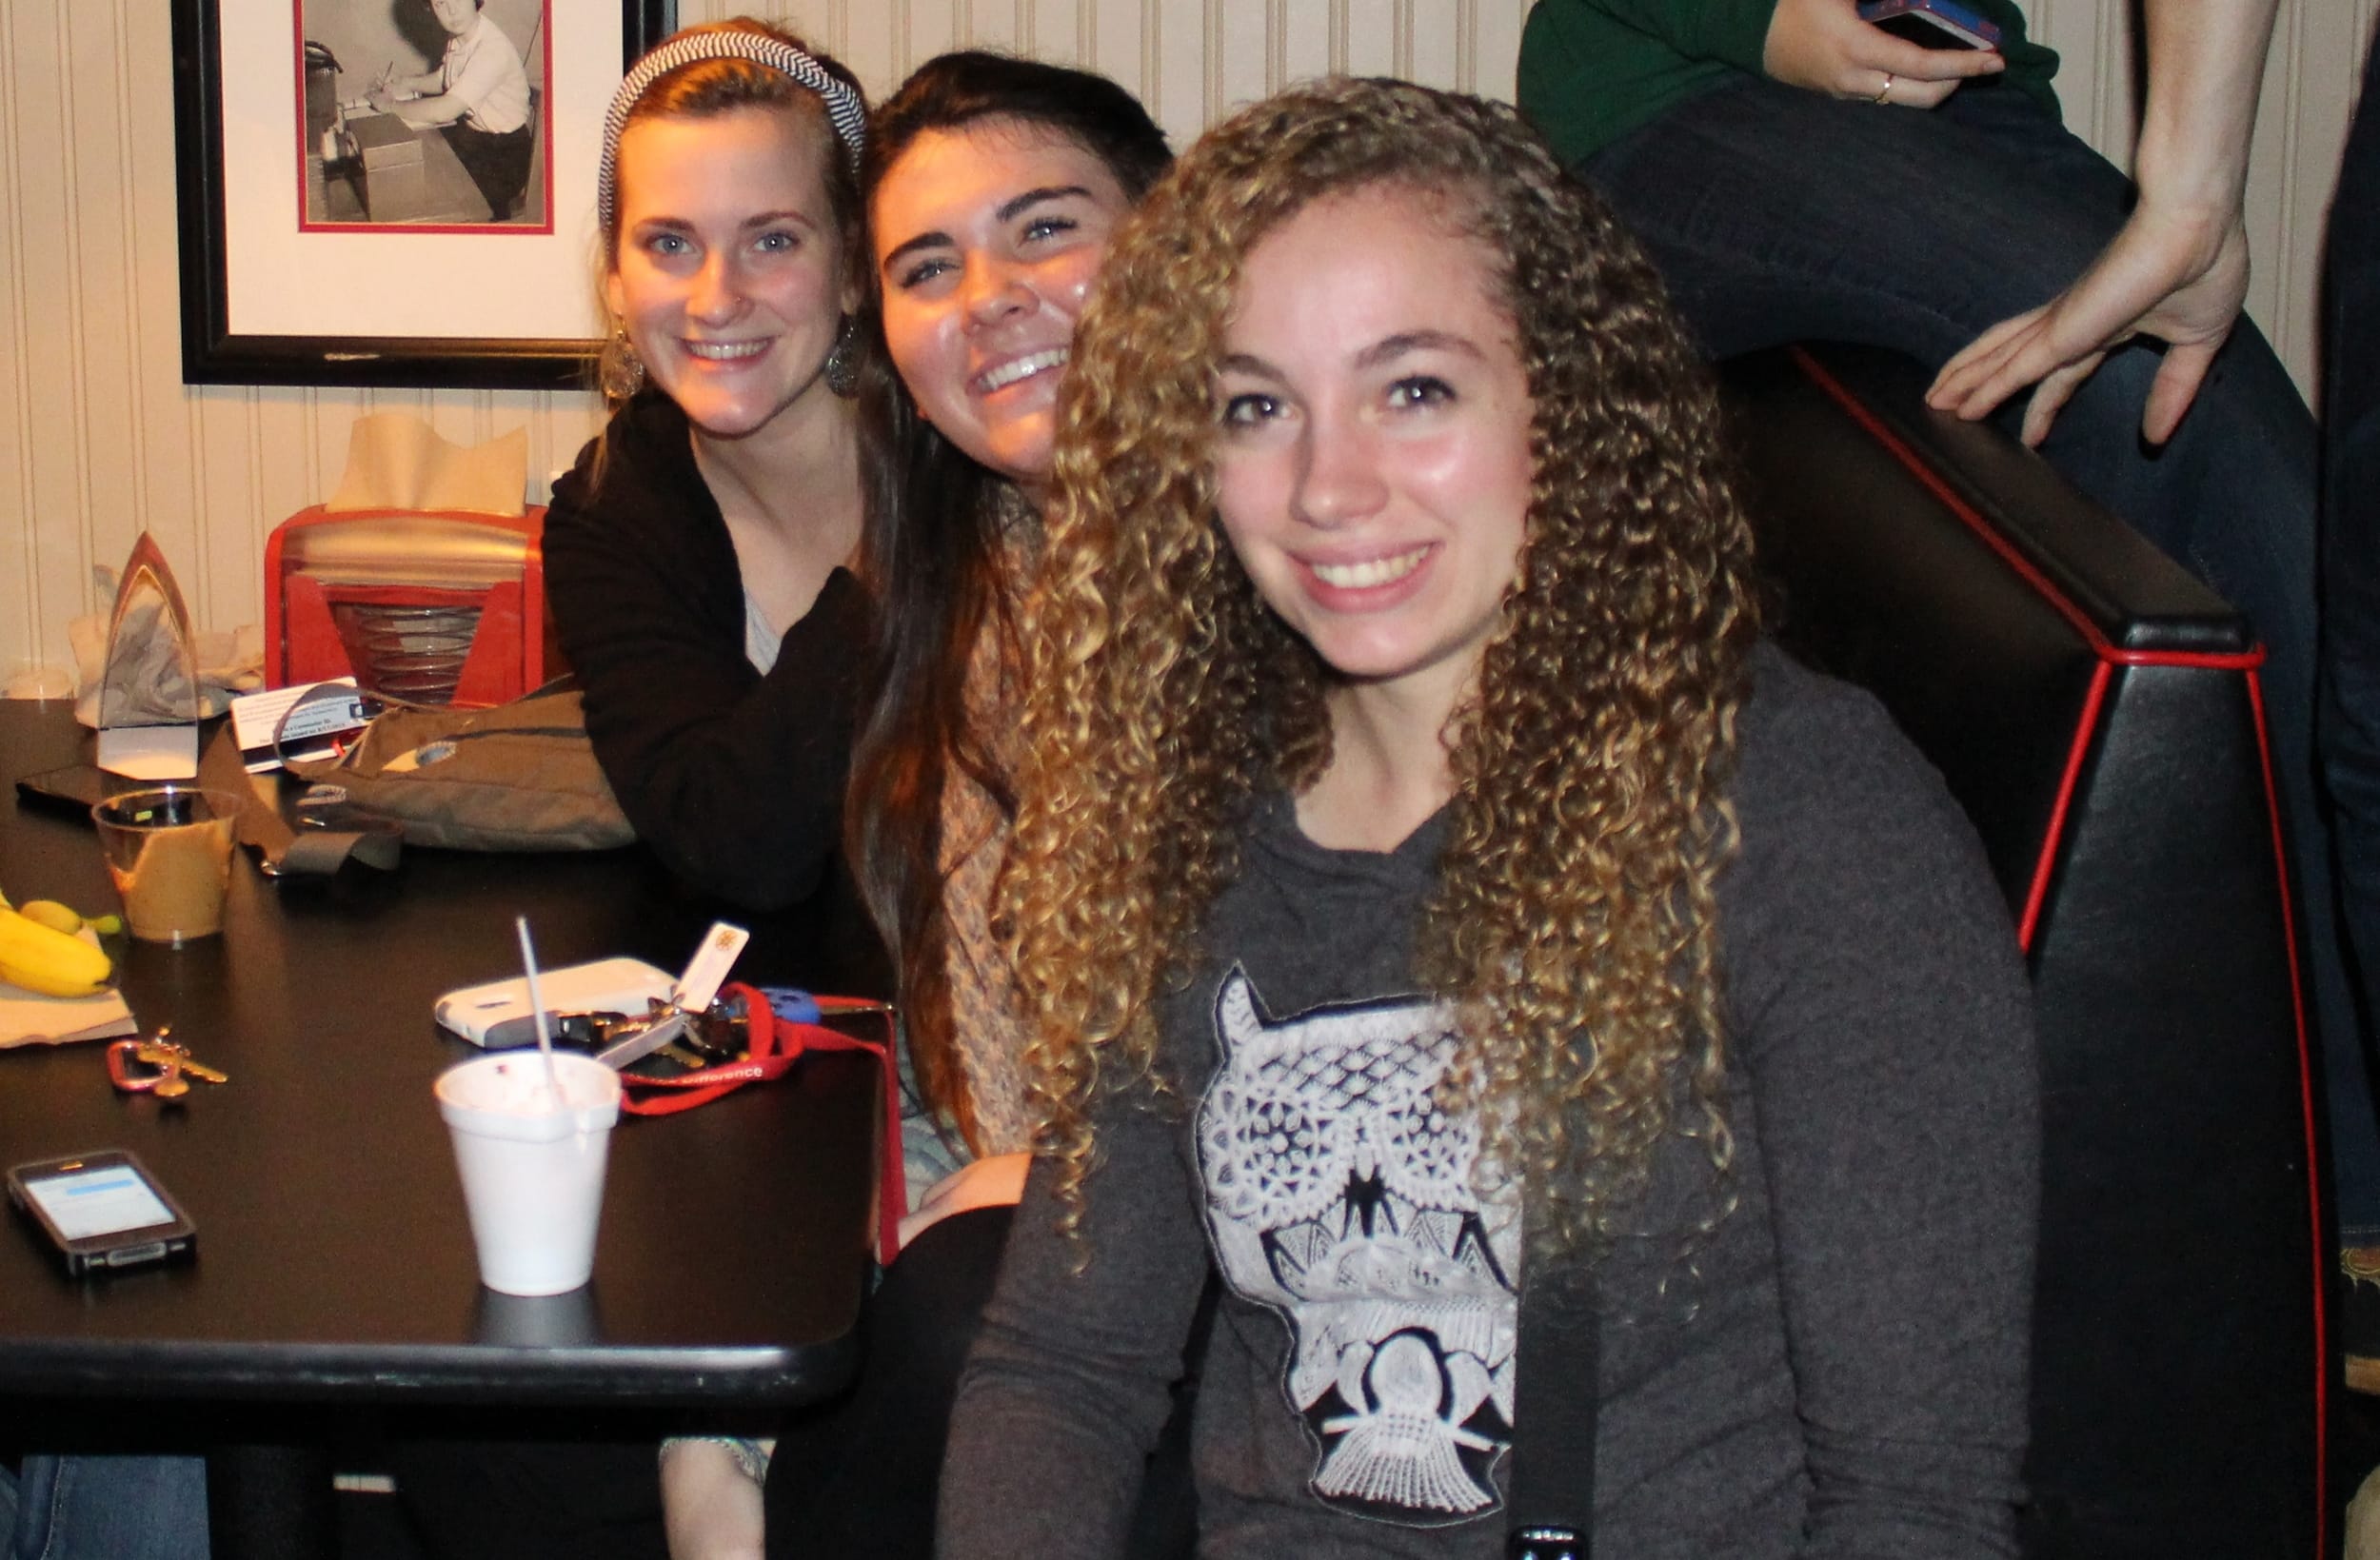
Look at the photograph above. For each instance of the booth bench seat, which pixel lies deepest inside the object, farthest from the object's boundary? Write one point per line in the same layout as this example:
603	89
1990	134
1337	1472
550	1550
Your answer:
2096	711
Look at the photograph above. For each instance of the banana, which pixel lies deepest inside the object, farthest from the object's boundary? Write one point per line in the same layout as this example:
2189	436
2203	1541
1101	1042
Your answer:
41	958
50	913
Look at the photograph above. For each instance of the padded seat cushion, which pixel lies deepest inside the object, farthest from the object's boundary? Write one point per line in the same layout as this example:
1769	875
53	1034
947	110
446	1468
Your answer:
2095	710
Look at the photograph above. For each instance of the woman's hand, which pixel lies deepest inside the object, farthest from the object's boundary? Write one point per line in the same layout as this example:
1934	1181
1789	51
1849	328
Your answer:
710	1506
2179	276
1822	46
2177	270
994	1182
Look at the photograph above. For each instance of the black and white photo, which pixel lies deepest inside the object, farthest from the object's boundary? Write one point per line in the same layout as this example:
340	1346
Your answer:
425	112
393	193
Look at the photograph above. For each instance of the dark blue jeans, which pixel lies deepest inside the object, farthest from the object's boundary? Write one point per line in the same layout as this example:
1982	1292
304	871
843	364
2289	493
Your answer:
91	1507
1779	215
2351	503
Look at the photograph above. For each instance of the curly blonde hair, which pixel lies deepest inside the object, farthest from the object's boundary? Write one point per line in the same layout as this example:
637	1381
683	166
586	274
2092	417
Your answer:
1573	922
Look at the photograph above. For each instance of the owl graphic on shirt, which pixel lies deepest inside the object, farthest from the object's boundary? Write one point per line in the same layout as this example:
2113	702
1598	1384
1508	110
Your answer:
1339	1196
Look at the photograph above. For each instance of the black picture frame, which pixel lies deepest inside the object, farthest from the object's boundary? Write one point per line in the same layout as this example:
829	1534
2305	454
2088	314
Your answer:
213	353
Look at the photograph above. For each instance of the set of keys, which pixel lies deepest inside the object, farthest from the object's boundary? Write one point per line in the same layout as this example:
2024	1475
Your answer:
172	1067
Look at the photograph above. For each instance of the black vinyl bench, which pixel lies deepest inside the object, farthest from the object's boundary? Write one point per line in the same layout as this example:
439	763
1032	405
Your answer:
2096	711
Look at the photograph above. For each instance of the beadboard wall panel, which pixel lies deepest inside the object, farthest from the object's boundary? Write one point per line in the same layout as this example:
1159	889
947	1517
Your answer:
99	438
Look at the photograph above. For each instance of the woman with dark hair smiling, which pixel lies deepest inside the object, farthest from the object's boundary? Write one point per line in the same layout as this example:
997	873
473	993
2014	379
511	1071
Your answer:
992	184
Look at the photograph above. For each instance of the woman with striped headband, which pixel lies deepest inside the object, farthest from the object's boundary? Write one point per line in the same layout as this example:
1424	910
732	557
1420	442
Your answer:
696	561
696	555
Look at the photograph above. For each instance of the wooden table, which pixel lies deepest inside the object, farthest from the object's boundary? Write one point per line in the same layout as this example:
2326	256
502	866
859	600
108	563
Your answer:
335	1263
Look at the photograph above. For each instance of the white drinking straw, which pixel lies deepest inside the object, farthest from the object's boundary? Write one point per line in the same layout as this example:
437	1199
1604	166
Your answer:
537	1006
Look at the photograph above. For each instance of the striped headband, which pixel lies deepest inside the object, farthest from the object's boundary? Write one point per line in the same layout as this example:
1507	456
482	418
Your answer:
843	108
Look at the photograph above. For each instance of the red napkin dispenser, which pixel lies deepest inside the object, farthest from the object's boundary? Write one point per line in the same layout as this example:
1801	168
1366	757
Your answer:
435	608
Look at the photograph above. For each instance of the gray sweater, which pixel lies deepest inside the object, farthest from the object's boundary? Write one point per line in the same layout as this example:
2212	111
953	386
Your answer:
1839	1370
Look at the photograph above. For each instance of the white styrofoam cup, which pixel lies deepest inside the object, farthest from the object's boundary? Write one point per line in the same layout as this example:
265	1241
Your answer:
532	1165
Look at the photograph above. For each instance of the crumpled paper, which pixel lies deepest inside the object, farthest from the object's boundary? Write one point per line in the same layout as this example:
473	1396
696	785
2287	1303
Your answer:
229	663
395	460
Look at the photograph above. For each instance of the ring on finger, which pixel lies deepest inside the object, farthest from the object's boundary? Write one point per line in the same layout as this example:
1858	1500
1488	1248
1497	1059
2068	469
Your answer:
1885	94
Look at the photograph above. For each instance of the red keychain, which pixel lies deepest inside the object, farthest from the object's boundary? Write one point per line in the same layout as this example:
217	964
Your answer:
774	1044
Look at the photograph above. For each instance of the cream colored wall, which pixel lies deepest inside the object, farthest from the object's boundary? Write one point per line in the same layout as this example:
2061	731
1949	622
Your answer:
99	438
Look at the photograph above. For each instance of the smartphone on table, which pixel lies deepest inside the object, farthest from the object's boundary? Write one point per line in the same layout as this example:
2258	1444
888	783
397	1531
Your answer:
1935	24
74	789
103	1211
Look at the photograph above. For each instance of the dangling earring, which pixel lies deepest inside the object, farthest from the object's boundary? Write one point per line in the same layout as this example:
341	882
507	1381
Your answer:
621	373
843	359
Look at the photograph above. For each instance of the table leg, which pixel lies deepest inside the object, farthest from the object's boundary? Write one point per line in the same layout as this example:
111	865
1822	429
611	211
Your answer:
271	1502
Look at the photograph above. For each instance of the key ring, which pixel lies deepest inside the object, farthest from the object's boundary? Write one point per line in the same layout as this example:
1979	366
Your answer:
170	1062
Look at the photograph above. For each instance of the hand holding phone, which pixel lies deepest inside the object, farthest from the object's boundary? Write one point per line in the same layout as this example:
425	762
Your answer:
103	1211
1826	46
1932	24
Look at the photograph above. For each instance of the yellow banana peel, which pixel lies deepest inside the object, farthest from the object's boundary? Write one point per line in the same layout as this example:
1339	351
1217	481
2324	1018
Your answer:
50	913
41	958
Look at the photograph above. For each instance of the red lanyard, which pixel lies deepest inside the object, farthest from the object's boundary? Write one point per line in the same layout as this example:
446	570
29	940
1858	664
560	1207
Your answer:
774	1044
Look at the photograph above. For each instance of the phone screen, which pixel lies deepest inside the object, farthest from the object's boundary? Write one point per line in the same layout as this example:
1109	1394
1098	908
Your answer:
1926	30
101	1200
1935	24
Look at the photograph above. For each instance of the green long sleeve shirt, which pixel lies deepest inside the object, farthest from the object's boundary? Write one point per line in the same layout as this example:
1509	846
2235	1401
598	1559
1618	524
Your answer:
1591	70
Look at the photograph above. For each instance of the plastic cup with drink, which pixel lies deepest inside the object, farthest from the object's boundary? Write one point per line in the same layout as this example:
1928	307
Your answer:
169	851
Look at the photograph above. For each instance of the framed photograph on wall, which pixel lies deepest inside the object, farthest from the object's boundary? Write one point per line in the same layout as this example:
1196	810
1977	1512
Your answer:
394	192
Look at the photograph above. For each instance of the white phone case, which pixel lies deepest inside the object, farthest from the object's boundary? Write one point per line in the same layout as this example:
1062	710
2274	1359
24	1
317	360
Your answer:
496	1015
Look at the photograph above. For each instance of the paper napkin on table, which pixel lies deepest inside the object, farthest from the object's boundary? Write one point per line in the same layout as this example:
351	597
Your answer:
27	1018
229	661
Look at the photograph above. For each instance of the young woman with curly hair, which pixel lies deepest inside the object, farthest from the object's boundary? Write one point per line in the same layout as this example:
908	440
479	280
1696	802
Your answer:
1416	841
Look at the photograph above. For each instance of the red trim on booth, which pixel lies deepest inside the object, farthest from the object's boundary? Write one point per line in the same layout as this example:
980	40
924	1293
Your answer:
2108	655
1990	536
2203	661
2076	754
2305	1104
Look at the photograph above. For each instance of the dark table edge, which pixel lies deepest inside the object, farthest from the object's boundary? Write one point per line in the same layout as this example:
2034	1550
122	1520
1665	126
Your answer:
530	1376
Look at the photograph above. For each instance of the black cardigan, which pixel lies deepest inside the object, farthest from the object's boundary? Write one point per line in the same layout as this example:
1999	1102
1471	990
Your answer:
734	779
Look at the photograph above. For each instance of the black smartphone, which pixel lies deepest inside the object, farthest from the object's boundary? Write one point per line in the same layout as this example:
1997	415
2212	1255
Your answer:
1935	24
77	788
103	1211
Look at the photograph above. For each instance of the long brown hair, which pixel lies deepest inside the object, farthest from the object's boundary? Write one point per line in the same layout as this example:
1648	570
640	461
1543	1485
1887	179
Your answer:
1574	922
934	558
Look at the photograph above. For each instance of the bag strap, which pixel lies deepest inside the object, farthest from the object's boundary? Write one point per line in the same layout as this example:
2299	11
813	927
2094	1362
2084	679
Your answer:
774	1043
1557	1381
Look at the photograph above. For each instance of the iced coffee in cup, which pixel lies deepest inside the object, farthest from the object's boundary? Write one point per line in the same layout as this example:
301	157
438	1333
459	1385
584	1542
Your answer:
532	1164
169	850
